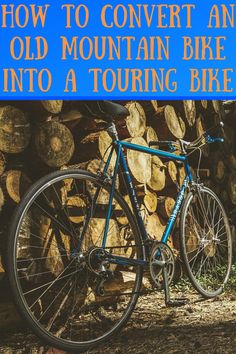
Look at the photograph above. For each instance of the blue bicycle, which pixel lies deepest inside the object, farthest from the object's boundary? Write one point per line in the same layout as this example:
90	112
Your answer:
78	252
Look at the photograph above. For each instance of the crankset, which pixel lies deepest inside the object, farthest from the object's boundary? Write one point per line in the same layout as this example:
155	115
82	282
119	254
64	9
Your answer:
161	256
162	270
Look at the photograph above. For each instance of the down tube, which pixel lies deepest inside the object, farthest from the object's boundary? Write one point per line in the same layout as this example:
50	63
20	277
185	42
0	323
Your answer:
178	203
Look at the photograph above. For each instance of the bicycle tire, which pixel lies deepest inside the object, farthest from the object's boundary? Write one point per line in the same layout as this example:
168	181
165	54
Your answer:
15	281
202	241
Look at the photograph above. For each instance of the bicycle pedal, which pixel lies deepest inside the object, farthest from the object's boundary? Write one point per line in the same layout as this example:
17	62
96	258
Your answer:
177	302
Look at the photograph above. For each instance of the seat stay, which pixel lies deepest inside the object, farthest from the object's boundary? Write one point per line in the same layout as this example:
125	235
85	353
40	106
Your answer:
113	185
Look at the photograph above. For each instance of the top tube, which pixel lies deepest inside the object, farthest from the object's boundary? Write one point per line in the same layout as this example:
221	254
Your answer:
155	152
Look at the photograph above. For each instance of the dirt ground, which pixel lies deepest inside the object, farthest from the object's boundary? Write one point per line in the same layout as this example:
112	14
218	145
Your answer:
199	327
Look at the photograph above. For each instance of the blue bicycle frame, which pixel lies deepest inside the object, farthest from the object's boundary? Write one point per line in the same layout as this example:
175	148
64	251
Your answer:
118	146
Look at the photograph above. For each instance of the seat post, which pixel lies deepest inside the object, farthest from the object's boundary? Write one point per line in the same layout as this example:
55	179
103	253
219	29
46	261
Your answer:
112	131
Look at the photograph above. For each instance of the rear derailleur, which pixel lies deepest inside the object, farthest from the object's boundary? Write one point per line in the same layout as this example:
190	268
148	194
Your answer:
99	266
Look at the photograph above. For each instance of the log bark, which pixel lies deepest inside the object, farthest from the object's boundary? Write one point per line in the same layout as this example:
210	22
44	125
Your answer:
139	163
54	144
168	124
14	184
14	130
157	180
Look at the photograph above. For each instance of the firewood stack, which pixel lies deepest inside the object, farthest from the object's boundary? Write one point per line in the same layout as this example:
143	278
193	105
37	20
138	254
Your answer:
37	137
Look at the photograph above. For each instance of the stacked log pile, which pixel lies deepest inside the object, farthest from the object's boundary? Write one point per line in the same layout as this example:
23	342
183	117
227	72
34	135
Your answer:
38	137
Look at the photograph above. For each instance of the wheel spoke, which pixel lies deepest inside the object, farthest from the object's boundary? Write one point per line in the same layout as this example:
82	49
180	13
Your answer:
59	260
206	243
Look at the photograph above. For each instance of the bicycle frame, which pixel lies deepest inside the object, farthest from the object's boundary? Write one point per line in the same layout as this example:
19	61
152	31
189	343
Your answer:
118	146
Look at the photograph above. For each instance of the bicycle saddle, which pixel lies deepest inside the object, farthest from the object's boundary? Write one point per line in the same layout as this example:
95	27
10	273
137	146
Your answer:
105	110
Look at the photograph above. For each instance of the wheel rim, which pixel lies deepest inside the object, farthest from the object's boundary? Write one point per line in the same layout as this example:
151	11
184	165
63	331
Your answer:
56	283
207	242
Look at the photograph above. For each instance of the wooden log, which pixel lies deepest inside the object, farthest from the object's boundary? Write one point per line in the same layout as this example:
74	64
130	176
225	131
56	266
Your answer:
157	179
204	104
168	124
14	184
182	174
218	172
146	197
186	109
150	135
171	173
144	213
139	163
154	227
52	106
103	198
104	146
95	233
54	144
135	124
189	111
75	208
2	163
232	188
216	106
91	166
14	130
165	207
49	243
120	216
150	201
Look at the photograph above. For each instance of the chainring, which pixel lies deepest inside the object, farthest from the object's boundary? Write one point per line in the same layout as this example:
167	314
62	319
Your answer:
161	252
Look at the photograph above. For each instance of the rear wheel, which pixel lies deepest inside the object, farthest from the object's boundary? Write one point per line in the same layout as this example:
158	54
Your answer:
205	242
61	277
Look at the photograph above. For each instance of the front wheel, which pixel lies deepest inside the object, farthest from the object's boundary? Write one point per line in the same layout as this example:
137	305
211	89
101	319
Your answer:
205	242
59	270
